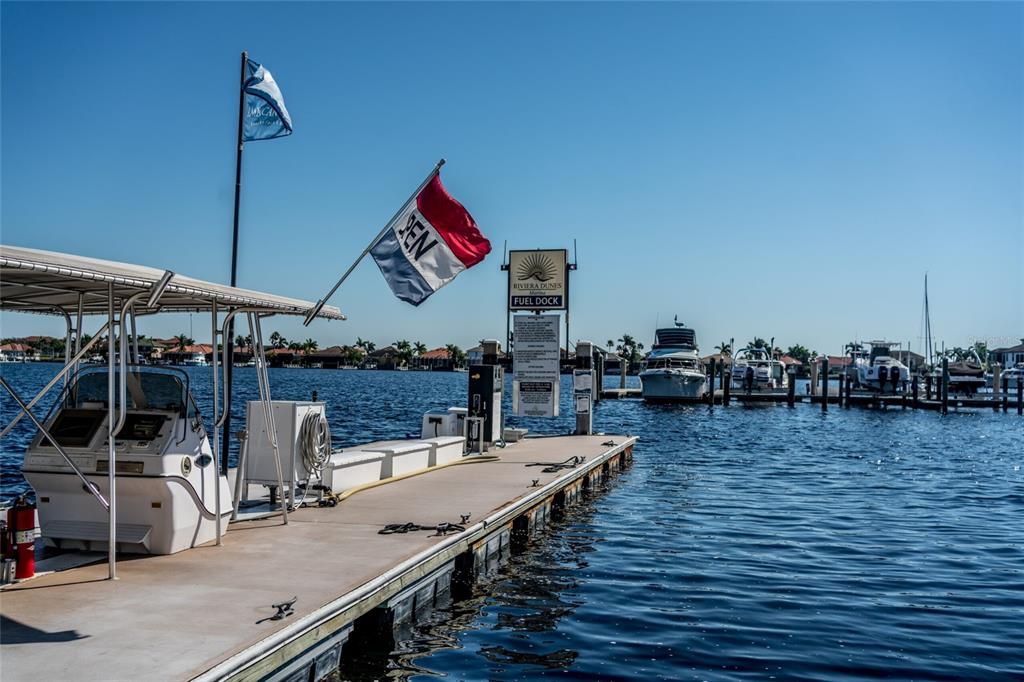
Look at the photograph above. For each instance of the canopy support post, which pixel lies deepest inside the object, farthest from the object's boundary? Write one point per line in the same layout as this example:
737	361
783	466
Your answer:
111	448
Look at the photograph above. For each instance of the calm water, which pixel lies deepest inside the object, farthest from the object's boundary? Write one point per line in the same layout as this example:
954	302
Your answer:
743	543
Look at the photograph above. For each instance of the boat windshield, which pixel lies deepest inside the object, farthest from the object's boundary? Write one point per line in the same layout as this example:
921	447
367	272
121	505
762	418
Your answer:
671	363
147	390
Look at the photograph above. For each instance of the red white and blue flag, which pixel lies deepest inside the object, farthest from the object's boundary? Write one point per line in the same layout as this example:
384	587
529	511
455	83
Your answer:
432	240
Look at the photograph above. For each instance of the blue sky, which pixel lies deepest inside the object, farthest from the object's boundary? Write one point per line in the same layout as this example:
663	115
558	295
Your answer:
787	170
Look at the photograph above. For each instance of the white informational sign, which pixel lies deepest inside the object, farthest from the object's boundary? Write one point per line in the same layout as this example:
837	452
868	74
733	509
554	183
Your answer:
538	280
535	376
583	389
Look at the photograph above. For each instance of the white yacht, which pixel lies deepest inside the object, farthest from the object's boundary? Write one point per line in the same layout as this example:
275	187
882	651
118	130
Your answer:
753	369
1014	375
673	370
880	371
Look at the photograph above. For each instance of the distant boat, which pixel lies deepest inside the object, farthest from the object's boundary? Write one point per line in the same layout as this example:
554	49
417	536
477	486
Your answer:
967	375
754	369
1013	375
880	371
673	371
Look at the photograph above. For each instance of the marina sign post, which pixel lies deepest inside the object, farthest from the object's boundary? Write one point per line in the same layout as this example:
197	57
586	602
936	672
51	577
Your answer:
538	280
535	366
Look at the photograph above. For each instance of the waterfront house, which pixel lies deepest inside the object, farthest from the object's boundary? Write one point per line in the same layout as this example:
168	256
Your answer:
438	359
1008	356
384	358
17	352
196	354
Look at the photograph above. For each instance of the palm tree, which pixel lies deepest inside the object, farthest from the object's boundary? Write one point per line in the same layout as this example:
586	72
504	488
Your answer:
419	348
369	346
724	348
183	342
309	345
455	355
610	344
404	349
294	346
853	347
800	353
757	343
278	341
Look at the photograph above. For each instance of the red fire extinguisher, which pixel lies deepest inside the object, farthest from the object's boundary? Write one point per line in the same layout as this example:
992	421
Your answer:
21	522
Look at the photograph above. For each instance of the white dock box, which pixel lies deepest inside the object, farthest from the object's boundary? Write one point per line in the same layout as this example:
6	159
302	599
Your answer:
445	449
460	420
259	462
439	423
347	469
401	456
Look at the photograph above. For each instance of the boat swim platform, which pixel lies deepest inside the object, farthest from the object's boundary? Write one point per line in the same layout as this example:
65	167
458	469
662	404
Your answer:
205	613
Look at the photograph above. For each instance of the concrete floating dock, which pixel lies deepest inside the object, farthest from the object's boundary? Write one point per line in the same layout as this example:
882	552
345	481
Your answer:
206	613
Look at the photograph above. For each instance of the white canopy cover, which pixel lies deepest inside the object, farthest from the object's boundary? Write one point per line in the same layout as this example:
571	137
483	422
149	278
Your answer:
48	282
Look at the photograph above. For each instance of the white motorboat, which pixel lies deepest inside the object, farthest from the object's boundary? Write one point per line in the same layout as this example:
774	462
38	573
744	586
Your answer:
1013	375
123	462
754	369
880	371
966	375
673	371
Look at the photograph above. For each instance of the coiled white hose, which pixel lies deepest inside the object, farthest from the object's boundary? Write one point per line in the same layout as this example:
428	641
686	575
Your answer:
315	442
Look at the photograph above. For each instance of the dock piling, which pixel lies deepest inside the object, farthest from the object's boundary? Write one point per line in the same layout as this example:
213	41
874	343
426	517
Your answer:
1020	396
913	388
1006	393
791	389
726	382
711	380
842	385
824	384
944	390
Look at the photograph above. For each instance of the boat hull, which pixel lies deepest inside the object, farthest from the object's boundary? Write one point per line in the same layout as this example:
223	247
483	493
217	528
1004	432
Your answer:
668	386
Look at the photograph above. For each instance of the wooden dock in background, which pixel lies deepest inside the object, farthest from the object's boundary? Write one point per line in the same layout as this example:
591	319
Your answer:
995	402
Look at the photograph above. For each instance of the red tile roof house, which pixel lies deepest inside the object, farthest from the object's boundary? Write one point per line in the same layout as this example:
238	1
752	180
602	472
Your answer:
16	352
200	352
438	359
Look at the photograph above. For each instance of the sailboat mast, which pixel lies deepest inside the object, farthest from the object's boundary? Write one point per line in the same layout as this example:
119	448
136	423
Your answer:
927	322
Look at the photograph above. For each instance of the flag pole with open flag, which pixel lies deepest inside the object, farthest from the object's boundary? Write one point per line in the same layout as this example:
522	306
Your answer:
425	245
261	116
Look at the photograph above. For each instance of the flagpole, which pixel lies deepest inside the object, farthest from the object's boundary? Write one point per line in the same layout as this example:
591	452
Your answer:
229	336
387	226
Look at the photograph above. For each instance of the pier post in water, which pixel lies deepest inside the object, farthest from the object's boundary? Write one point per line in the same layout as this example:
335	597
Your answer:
1006	393
944	389
726	381
791	389
842	385
913	389
710	396
824	384
928	386
1020	396
849	389
623	366
813	385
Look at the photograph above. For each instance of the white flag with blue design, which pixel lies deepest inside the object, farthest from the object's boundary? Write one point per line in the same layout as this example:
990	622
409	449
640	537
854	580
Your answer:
265	114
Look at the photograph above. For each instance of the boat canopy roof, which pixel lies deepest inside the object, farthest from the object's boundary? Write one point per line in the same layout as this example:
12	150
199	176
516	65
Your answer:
675	337
48	282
